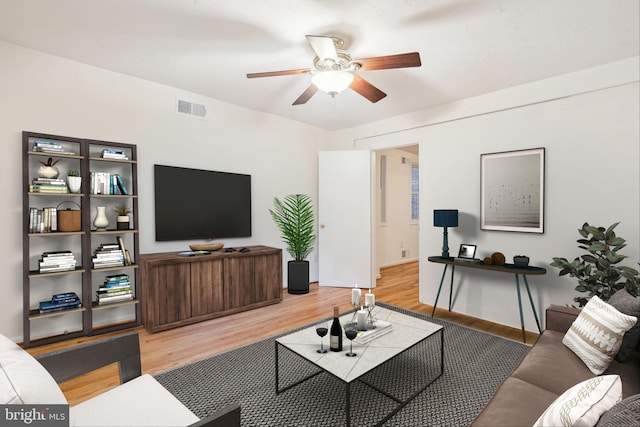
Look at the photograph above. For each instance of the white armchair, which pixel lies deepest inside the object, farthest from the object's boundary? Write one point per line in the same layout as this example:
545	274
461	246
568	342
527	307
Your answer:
138	401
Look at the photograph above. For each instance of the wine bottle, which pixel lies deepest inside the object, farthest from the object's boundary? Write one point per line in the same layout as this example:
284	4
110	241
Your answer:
335	333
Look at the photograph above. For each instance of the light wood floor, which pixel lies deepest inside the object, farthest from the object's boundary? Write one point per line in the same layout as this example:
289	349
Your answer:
398	285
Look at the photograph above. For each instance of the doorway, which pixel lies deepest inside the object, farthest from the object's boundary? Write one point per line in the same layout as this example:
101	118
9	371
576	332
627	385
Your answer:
397	196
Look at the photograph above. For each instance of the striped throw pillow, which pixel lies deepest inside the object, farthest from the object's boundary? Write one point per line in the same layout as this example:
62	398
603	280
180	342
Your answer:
596	334
584	403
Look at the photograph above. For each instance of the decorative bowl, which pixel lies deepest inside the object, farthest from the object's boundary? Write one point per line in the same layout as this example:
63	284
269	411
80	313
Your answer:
207	247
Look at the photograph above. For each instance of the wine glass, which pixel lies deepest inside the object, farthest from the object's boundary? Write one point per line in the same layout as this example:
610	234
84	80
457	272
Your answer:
322	329
351	332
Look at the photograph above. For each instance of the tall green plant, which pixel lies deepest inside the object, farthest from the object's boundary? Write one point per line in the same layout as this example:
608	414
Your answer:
597	272
294	217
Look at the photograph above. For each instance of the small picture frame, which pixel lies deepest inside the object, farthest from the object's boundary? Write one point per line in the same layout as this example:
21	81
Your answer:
512	191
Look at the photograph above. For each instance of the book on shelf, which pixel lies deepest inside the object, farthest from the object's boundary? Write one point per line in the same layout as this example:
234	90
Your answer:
43	220
112	153
111	289
48	188
107	183
58	302
104	300
52	147
50	181
115	281
116	288
56	261
107	255
365	337
127	257
120	185
65	297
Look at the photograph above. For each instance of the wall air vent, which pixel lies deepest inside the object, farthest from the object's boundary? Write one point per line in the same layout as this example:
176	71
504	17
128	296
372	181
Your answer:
191	108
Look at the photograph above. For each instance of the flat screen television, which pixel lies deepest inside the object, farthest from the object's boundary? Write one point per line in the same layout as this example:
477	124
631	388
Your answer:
201	204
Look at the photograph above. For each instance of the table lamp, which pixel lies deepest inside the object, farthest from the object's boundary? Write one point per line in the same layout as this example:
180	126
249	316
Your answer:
445	218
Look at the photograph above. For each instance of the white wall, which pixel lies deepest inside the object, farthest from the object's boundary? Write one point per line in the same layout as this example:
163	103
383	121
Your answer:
587	122
43	93
399	233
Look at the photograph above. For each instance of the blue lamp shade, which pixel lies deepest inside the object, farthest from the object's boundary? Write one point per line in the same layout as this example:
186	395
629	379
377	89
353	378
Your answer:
445	218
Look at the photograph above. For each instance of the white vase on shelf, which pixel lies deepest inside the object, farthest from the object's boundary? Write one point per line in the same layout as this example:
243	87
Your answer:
101	222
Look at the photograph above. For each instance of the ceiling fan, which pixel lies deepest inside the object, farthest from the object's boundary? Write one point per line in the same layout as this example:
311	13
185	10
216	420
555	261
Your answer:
334	70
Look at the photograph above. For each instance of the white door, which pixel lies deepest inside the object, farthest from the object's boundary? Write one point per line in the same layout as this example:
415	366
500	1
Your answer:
345	240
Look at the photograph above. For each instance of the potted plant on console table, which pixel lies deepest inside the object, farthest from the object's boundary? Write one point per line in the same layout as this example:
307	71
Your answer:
294	217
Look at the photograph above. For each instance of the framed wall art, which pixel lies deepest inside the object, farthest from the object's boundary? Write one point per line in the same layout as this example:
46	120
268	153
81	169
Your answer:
512	191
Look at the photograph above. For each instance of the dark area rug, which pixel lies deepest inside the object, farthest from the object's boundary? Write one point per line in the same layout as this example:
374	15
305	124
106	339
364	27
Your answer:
475	364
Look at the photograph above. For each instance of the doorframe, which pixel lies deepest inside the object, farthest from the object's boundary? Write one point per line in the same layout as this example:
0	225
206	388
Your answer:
375	202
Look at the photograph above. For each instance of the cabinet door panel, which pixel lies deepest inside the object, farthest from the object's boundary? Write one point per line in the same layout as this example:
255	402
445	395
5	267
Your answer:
239	283
207	294
171	293
267	278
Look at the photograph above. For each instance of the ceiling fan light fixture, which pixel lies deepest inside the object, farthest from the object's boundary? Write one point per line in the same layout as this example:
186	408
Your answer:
332	82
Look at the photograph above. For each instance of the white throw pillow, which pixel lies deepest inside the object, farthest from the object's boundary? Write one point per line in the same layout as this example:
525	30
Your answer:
23	380
596	334
584	403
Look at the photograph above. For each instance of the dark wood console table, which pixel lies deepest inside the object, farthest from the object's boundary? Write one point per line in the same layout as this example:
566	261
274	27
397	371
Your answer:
506	268
180	290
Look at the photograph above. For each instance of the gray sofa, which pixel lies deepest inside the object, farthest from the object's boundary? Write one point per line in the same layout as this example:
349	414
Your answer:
549	369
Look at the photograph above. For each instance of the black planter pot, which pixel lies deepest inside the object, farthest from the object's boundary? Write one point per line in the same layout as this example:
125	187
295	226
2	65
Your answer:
298	277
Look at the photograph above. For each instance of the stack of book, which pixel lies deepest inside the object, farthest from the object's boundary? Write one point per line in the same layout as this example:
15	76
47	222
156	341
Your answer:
107	183
40	145
56	261
48	185
108	255
365	337
110	153
58	302
116	288
43	220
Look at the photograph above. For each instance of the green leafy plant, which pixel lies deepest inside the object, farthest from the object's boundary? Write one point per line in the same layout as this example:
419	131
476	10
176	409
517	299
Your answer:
294	217
73	173
598	272
122	209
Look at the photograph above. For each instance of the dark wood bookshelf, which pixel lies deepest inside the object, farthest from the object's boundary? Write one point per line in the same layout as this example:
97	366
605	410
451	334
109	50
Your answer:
83	155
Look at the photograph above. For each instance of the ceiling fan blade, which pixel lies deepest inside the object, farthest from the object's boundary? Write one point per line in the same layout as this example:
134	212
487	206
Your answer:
366	89
306	95
402	60
278	73
324	47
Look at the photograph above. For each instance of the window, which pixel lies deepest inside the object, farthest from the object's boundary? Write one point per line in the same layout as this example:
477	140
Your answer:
415	191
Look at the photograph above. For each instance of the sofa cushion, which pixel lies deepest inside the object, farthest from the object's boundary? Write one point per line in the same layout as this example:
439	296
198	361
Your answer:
584	403
551	365
625	413
23	380
142	401
516	403
596	334
626	303
629	372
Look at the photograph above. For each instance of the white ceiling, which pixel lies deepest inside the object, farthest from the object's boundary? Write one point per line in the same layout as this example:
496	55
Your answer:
468	47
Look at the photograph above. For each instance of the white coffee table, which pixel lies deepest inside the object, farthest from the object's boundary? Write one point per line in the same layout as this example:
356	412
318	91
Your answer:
407	332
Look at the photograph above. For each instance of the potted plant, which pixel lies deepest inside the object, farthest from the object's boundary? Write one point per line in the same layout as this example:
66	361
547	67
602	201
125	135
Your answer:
122	210
74	181
598	272
294	217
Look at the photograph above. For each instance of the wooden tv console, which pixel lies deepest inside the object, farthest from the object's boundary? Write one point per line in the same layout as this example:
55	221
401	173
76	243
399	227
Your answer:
179	290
